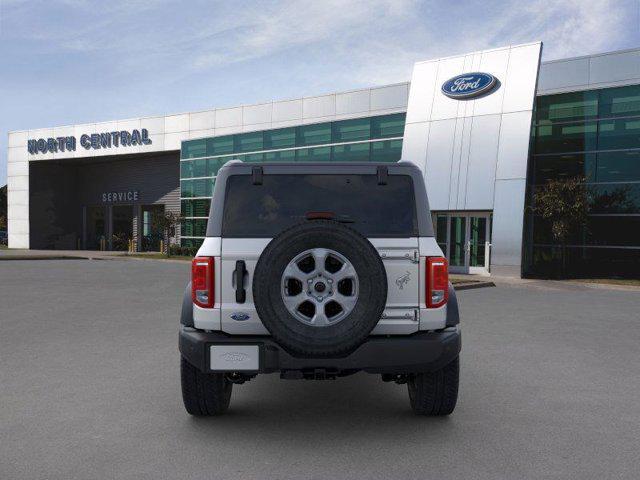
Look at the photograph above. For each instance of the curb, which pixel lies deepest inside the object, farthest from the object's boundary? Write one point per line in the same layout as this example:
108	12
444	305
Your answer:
44	257
170	260
473	285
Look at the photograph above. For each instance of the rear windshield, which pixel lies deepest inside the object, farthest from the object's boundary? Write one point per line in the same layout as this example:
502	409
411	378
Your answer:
284	200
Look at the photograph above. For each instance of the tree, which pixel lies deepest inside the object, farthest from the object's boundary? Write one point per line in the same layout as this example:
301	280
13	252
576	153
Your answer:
565	204
166	223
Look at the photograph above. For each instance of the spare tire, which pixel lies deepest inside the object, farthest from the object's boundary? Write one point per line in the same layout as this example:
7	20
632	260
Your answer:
320	288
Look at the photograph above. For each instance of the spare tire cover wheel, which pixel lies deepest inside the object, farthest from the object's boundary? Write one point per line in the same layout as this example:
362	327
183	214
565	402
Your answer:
320	287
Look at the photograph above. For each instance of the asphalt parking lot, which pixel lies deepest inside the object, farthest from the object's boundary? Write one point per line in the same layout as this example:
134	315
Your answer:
89	389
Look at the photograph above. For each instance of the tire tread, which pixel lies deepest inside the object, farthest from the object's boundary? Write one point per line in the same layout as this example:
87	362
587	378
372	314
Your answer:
435	393
204	394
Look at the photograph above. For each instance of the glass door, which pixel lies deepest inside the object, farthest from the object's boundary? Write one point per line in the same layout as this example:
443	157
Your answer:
478	244
122	227
465	239
95	227
457	242
151	232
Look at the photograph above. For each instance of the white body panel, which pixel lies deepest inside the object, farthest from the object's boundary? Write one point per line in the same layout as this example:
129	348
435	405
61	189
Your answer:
403	258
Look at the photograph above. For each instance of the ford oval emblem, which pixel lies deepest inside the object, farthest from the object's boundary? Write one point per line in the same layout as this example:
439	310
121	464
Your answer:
240	316
469	85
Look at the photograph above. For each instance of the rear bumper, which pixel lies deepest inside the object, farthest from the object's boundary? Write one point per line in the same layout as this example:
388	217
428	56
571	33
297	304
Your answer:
420	352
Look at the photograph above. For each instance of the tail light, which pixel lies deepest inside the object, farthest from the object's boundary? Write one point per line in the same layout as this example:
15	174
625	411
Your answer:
202	281
437	280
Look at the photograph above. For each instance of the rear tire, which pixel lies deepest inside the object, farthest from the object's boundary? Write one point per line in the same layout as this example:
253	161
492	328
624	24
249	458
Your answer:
435	393
204	394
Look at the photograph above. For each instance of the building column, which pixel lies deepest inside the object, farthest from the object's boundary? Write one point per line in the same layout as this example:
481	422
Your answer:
109	226
137	226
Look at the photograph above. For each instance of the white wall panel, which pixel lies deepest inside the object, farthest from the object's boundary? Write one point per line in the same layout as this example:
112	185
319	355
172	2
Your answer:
157	143
439	159
18	240
556	75
481	168
514	145
256	127
229	117
18	197
352	102
41	133
614	67
423	86
458	138
257	114
459	181
228	130
202	120
173	141
17	168
286	123
193	134
414	144
131	124
17	154
393	96
19	226
445	107
176	123
520	83
101	127
154	125
508	214
287	111
494	62
314	107
18	139
18	183
307	121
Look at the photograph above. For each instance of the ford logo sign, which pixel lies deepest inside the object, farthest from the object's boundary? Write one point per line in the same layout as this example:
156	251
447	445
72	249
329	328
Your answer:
469	85
240	316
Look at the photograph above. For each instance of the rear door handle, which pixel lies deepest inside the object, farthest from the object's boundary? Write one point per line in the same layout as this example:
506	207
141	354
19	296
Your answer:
240	272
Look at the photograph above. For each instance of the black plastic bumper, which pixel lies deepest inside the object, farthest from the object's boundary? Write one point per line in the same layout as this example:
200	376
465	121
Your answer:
420	352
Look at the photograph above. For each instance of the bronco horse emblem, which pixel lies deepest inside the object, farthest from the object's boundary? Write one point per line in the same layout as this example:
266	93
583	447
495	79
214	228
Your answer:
403	280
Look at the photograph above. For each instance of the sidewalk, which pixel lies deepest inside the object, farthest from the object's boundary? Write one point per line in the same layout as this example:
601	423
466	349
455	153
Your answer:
21	254
468	282
499	280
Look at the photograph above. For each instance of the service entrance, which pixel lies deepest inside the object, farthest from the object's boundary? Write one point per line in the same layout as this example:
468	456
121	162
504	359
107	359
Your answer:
465	239
96	227
108	227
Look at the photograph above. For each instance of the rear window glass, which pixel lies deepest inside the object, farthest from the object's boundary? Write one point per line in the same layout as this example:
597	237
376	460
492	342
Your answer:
284	200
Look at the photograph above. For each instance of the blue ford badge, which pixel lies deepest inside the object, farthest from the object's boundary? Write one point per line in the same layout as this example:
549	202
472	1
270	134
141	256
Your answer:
240	316
468	85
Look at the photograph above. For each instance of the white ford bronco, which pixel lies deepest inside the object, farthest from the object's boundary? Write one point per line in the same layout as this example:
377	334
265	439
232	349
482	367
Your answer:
317	271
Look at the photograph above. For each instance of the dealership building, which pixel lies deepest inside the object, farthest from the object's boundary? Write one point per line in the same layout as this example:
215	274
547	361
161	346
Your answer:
489	129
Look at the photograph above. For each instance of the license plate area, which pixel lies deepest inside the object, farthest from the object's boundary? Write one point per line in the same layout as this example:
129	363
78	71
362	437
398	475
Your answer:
234	358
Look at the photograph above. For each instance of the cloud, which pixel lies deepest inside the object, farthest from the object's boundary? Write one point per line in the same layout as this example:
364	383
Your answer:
376	39
283	26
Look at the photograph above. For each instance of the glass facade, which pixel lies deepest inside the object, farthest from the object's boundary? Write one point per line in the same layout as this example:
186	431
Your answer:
593	134
374	139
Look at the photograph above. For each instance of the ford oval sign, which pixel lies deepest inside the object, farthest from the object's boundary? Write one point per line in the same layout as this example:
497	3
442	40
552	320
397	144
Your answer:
240	316
469	85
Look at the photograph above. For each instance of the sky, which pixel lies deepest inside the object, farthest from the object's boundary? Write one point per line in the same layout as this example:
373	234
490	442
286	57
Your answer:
65	62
